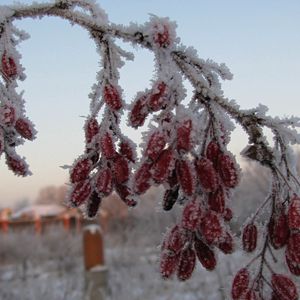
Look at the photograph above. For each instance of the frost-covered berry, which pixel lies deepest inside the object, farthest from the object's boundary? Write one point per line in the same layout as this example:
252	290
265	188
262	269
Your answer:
175	239
81	192
183	133
168	263
278	230
141	181
104	183
187	263
227	170
127	150
207	175
25	128
17	164
93	205
292	265
249	237
240	284
294	213
212	152
91	129
139	111
107	146
8	67
157	98
216	200
284	287
7	114
161	36
163	166
293	247
81	170
120	169
205	255
191	215
226	244
210	227
185	176
112	97
156	144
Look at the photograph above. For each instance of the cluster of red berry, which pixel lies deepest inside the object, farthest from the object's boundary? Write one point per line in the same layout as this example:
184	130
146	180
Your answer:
283	231
13	122
102	168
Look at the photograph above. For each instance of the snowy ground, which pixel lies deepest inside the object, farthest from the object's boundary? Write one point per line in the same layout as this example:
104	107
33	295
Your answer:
50	267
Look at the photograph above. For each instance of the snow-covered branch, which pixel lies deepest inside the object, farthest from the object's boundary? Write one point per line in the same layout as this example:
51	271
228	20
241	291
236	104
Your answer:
184	149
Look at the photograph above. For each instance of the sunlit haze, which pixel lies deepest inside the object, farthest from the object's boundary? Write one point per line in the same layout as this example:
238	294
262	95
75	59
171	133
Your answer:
258	40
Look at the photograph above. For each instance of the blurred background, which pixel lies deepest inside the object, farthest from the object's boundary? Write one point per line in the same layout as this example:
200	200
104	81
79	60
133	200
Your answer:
41	242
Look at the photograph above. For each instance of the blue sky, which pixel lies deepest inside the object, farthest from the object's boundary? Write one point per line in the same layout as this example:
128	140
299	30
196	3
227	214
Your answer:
258	40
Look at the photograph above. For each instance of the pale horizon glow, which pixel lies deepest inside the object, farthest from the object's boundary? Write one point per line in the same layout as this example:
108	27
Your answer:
259	42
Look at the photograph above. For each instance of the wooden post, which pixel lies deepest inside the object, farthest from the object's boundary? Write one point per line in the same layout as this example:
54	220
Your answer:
4	225
96	272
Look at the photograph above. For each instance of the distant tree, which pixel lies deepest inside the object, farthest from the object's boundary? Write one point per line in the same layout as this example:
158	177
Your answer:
52	195
184	149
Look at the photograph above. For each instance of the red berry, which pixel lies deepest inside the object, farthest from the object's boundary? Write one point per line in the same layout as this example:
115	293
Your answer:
93	205
216	200
91	129
7	115
227	214
125	194
184	136
17	165
191	215
162	36
249	237
205	255
170	198
107	146
142	178
284	287
250	295
168	263
207	174
155	145
240	284
9	67
213	151
278	230
187	264
294	213
211	227
227	170
185	175
112	97
104	181
139	111
163	166
293	266
81	170
127	150
81	192
25	128
225	243
120	169
293	247
175	239
158	98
